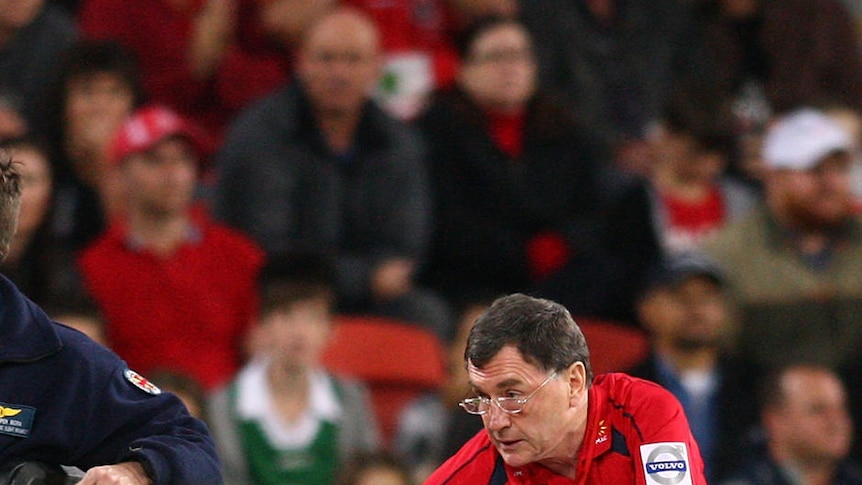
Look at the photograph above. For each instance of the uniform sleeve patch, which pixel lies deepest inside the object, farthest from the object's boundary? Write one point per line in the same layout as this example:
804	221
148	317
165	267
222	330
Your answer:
141	382
666	463
16	420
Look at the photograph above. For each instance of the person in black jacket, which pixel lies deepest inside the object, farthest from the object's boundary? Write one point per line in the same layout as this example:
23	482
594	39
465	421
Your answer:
515	179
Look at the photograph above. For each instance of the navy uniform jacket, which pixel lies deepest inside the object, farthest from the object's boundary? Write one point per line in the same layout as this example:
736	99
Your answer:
66	400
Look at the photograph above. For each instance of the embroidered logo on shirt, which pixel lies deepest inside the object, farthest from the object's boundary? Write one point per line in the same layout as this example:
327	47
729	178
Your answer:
8	412
141	382
16	420
603	432
666	463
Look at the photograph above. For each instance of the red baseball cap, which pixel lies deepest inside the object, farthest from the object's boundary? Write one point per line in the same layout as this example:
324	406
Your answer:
150	125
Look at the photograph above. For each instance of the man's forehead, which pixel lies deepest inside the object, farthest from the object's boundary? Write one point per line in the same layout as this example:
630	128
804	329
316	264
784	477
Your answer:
344	29
507	355
801	381
490	383
506	369
99	78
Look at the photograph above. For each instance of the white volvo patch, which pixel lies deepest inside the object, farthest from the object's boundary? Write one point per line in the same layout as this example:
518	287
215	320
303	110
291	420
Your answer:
666	464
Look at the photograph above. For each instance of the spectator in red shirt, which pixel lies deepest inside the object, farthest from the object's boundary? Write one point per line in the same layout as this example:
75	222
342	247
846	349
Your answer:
176	288
548	421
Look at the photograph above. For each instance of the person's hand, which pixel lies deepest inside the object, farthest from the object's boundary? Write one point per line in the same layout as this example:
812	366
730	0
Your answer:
391	279
212	35
126	473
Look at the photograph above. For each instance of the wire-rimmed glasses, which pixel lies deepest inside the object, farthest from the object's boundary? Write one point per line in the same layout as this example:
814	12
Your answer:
509	405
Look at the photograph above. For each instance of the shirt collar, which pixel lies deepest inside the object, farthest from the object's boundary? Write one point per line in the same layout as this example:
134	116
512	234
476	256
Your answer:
254	396
192	234
254	403
597	441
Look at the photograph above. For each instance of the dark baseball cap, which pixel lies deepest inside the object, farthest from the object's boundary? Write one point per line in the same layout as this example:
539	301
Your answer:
678	268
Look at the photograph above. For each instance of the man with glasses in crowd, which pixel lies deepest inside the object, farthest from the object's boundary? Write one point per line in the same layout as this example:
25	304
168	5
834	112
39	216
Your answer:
546	420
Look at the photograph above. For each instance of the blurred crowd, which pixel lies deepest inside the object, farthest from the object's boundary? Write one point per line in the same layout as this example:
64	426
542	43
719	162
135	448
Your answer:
209	186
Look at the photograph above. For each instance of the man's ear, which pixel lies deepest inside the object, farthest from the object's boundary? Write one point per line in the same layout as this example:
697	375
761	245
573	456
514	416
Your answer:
576	374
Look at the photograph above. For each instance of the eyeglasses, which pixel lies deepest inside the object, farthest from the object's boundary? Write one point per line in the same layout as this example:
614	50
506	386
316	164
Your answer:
503	55
509	405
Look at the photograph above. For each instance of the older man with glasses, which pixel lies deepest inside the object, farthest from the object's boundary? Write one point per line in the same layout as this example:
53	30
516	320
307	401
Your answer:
546	420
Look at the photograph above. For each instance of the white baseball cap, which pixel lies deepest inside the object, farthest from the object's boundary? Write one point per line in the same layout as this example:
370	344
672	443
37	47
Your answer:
800	140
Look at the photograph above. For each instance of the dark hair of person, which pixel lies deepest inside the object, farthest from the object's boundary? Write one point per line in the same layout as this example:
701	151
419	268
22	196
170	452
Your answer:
466	37
84	59
73	300
363	462
291	277
10	201
543	331
90	57
770	388
695	108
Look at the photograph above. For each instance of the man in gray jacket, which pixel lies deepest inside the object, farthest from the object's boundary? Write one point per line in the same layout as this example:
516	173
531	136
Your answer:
318	165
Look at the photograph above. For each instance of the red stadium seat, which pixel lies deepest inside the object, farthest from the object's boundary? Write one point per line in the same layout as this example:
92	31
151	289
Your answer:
614	347
398	362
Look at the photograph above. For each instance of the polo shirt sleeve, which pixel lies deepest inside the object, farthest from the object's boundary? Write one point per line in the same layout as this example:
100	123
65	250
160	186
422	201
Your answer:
666	450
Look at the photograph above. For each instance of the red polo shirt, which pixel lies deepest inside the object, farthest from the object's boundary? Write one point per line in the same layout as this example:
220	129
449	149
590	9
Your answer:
188	311
636	433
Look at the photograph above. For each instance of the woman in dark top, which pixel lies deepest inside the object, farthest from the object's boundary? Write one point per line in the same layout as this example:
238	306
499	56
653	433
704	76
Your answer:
515	178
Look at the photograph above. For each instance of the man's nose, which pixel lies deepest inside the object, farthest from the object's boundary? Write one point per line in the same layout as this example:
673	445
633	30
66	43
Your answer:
496	419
